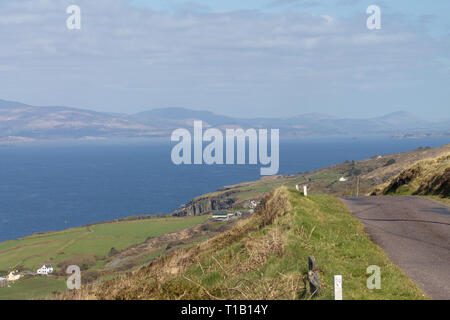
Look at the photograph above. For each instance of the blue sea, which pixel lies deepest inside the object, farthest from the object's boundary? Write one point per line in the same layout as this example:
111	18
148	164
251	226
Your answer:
53	186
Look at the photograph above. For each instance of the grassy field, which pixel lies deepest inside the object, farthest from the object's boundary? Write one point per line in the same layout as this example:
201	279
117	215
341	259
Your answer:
90	243
97	240
265	257
32	287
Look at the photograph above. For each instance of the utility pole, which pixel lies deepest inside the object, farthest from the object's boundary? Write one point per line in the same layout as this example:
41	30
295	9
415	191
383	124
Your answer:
357	186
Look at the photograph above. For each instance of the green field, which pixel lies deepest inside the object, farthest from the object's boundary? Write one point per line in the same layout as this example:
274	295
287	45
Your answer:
93	242
97	240
33	287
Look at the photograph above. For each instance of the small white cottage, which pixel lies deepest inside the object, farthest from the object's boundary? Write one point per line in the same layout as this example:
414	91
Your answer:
220	215
343	179
253	204
45	269
14	276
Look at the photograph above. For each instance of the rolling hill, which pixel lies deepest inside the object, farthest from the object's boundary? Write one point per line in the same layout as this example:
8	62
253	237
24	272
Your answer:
429	177
21	122
266	257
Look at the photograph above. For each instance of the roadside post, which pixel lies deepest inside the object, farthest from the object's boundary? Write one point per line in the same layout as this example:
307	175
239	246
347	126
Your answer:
313	277
337	287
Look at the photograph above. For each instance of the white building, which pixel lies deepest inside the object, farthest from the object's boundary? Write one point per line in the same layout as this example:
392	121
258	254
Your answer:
45	269
342	179
14	276
253	204
220	215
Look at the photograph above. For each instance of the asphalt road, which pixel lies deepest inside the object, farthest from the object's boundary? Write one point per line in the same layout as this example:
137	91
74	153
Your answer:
415	234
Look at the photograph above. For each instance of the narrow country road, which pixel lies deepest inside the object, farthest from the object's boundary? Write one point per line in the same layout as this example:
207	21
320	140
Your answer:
415	234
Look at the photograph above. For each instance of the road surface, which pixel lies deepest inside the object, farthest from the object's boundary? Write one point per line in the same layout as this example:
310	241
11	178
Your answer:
415	234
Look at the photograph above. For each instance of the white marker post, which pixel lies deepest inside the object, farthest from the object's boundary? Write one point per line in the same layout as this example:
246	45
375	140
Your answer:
305	191
296	187
337	287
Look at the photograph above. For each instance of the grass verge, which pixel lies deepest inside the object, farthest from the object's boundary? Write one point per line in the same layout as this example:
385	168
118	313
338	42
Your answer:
265	257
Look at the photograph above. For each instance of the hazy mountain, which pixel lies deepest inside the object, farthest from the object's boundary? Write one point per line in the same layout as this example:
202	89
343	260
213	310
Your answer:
18	119
181	116
21	121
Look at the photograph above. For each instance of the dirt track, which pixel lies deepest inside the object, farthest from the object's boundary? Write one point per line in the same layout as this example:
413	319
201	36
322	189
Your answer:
415	234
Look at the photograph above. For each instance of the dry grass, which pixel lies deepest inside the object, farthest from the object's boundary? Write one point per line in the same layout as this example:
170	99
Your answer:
146	282
426	177
265	257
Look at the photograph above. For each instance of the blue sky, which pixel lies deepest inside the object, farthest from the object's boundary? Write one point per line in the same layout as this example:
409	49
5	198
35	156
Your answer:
240	58
436	11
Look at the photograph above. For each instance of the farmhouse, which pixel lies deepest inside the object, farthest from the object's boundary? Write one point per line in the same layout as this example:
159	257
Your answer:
45	269
14	276
221	215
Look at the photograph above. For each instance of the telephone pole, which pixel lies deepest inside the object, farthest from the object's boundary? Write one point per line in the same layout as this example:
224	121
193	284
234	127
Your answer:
357	186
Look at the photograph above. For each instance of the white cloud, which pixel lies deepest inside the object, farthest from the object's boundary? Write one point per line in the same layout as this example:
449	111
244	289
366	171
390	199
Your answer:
196	57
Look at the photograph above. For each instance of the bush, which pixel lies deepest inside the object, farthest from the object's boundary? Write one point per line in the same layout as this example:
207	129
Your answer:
113	252
389	162
83	262
89	276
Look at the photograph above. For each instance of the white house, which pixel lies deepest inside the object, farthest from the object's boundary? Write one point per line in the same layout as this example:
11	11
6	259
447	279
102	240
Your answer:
342	179
14	276
220	215
45	269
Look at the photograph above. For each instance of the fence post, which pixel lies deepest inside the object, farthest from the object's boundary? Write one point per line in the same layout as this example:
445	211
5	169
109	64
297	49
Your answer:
313	277
337	287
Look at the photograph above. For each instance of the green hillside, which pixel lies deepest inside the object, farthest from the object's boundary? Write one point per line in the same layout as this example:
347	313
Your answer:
265	257
88	247
430	177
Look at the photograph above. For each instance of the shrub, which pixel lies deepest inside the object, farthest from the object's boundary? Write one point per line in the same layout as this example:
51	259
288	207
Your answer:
389	162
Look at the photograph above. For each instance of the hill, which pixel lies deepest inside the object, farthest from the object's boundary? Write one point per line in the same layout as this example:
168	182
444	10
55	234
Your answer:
427	177
361	177
265	257
101	250
20	122
110	249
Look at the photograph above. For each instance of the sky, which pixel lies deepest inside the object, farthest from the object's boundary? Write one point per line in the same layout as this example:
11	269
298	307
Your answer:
265	58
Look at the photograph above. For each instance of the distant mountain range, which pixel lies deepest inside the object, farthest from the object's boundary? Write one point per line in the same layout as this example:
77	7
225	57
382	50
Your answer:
21	122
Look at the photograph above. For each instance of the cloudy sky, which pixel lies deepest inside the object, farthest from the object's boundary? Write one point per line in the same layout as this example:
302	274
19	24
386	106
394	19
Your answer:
240	58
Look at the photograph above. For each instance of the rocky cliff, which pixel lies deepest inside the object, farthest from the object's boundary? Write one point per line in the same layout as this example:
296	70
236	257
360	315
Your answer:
205	204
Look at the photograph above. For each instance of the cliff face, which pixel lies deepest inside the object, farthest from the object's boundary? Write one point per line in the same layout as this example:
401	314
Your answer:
204	205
